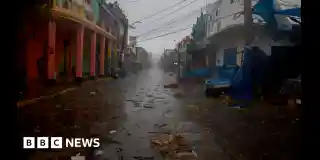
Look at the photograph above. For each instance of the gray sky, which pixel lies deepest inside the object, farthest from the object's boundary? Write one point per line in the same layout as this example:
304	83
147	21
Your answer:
138	9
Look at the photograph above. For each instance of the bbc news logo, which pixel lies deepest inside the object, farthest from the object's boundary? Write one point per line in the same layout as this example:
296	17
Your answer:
59	142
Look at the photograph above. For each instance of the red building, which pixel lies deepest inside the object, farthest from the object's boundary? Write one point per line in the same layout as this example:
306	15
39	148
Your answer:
63	41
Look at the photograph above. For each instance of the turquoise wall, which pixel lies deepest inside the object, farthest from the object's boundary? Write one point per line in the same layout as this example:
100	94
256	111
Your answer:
96	10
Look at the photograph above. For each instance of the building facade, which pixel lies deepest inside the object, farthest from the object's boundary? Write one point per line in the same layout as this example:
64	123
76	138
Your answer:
143	57
66	40
225	26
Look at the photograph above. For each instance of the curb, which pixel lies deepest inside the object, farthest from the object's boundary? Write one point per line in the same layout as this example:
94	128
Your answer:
31	101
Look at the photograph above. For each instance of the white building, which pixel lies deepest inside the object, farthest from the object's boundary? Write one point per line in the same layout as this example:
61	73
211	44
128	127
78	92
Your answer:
225	28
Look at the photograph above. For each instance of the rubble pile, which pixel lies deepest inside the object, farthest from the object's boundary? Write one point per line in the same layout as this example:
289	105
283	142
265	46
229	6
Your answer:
173	147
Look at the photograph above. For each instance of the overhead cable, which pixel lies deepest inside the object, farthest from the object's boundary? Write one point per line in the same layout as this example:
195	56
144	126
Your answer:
174	11
166	34
180	30
149	16
168	23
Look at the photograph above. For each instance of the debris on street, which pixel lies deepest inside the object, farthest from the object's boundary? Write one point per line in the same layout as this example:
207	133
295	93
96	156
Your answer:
193	107
173	85
92	93
98	152
147	106
112	131
143	158
173	146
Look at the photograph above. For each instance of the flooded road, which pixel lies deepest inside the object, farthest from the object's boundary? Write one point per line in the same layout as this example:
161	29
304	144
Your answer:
151	109
127	113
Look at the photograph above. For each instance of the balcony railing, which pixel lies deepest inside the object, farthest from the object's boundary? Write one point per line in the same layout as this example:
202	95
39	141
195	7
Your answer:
75	6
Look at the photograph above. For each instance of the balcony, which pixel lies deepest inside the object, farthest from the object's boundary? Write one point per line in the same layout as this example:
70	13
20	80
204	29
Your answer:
75	6
81	11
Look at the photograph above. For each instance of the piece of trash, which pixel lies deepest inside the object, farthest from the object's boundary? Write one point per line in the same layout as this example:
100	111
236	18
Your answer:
129	133
58	106
112	131
174	85
193	107
143	158
147	106
92	93
78	157
173	146
161	125
114	117
119	150
98	152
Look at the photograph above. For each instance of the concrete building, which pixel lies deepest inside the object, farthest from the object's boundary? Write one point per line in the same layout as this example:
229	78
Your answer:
169	60
119	27
143	57
225	27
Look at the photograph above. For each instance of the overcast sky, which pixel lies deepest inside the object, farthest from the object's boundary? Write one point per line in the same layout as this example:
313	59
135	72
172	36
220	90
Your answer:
138	9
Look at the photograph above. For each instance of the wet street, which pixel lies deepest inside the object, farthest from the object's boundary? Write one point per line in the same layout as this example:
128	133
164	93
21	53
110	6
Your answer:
127	113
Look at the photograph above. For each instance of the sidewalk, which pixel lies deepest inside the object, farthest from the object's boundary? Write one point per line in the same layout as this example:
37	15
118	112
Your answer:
39	92
69	115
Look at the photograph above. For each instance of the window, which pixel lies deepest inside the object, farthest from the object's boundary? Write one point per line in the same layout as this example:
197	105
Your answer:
217	12
212	25
231	1
218	25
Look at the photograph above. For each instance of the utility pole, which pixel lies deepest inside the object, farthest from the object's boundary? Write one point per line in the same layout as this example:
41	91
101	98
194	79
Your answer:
179	64
248	21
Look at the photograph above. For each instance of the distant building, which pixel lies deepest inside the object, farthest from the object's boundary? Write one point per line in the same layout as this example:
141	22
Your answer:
143	57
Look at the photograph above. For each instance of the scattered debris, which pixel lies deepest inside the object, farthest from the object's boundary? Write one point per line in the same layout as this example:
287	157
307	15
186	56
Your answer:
173	146
149	95
160	125
174	85
147	106
112	131
193	107
98	152
78	157
119	150
114	117
143	158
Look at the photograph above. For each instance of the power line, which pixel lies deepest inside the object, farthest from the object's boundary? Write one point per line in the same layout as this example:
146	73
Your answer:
172	21
149	16
166	34
174	11
189	26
